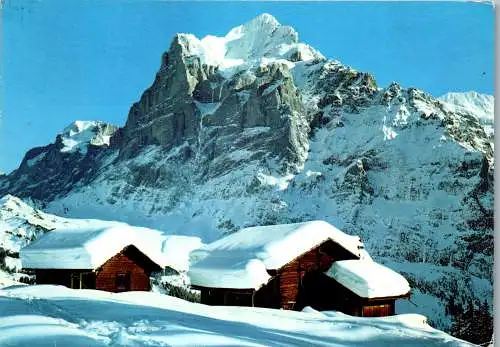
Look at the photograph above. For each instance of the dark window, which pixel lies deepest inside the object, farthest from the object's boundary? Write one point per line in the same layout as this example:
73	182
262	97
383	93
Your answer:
122	282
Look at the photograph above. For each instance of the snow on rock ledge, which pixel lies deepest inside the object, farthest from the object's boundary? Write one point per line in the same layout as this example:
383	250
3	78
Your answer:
368	279
77	136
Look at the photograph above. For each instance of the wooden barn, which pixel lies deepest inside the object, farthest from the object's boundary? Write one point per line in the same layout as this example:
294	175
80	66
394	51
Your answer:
282	266
110	258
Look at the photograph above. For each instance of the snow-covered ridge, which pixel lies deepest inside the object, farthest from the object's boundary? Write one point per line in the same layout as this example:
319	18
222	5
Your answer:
480	104
261	38
477	104
78	135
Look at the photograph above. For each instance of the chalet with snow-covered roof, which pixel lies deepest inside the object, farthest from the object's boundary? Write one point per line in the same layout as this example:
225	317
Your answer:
114	257
292	266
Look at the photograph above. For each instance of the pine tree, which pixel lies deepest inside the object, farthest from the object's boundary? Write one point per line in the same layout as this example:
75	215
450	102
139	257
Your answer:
474	324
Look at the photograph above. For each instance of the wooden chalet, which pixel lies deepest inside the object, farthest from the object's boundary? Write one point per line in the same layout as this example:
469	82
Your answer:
110	259
283	266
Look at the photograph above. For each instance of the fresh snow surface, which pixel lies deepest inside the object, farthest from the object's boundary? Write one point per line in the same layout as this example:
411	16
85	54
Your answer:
479	105
77	136
176	248
241	259
89	247
47	315
248	44
368	279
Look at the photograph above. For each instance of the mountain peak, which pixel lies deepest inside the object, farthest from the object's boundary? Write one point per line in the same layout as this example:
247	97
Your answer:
265	20
248	44
264	24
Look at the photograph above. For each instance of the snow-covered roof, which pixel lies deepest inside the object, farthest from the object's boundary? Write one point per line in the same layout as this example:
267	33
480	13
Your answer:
176	248
91	246
241	260
368	279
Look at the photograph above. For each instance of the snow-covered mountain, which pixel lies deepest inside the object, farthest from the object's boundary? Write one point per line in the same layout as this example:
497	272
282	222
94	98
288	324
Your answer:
480	105
258	128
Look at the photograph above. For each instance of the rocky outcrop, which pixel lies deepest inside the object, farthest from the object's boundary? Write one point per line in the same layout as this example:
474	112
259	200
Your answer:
193	103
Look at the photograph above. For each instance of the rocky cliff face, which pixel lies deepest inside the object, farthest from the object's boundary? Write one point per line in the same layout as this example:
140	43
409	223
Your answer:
258	128
208	92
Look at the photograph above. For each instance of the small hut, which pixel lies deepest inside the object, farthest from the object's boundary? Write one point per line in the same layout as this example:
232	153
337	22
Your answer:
114	257
265	266
360	288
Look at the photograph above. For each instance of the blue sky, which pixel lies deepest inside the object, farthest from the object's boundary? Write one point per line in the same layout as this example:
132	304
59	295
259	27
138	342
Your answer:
68	60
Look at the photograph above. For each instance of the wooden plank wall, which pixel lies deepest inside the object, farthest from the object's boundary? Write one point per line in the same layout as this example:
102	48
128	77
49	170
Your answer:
289	285
320	258
379	309
122	264
227	297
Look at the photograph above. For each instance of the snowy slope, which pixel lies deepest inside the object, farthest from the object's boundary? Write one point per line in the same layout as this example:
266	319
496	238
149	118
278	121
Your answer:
480	105
19	225
54	315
